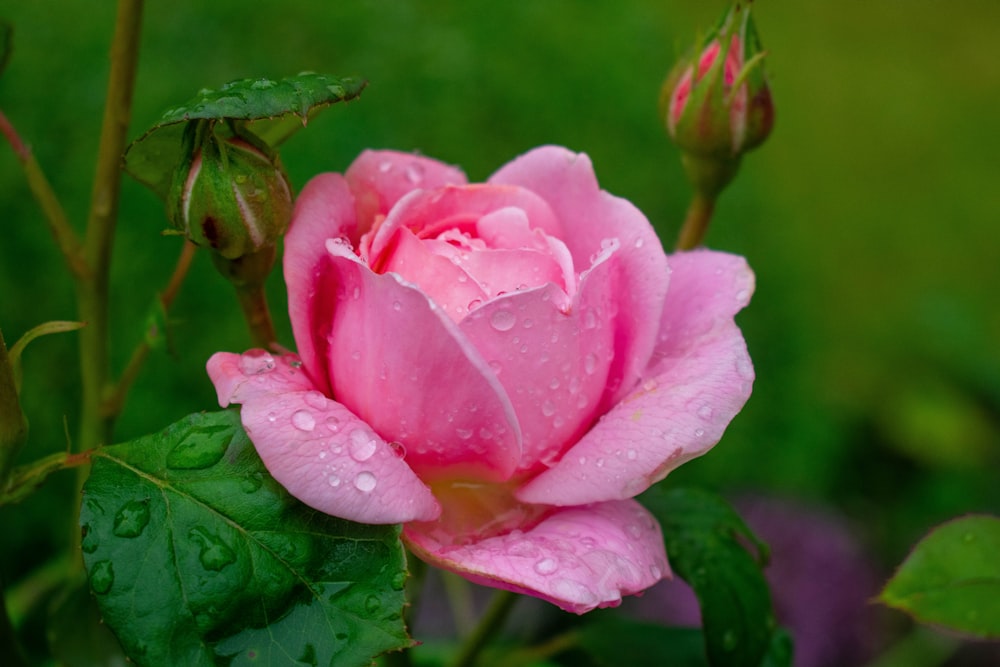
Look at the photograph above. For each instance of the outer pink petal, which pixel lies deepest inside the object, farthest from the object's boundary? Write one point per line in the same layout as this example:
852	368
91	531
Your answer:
552	358
578	558
401	364
324	210
699	379
379	179
317	449
591	217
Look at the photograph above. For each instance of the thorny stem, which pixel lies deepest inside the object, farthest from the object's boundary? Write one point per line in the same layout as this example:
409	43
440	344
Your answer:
489	625
115	400
62	231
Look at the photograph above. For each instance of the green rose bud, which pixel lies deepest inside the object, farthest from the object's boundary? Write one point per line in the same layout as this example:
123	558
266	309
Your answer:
716	104
230	193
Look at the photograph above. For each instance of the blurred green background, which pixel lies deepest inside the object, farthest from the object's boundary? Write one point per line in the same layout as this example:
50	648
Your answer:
871	216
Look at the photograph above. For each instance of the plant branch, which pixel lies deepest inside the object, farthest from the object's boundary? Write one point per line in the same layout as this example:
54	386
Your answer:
92	293
115	399
13	425
63	233
699	214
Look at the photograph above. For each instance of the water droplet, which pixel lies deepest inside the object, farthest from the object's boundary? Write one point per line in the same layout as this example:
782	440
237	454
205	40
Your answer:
132	518
496	366
89	540
333	424
215	554
639	243
303	420
590	363
363	445
546	566
699	432
969	537
398	448
372	604
414	173
333	481
356	355
743	296
589	319
655	572
397	306
548	408
365	482
199	450
632	455
356	292
102	576
385	167
634	530
315	399
475	303
729	640
599	463
503	320
256	362
272	417
398	581
463	433
705	412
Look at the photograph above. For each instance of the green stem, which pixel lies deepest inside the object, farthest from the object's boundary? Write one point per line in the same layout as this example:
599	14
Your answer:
115	399
13	425
699	214
253	301
92	291
489	625
62	231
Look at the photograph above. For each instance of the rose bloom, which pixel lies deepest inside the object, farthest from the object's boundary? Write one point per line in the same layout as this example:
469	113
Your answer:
501	367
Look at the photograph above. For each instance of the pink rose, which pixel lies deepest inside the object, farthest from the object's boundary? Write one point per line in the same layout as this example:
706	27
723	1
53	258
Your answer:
501	367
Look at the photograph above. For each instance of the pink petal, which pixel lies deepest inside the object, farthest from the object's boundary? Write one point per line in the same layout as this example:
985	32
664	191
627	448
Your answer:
593	218
379	179
578	558
401	364
317	449
551	357
699	379
429	213
324	210
446	283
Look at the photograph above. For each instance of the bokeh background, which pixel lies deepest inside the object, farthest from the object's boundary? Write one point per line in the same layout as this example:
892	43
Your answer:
871	218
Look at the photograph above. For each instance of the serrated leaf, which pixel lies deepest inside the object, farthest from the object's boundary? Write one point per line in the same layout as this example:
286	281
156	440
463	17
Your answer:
198	557
951	579
705	544
273	110
614	640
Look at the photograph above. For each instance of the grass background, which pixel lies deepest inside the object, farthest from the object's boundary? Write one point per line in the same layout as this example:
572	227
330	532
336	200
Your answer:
871	216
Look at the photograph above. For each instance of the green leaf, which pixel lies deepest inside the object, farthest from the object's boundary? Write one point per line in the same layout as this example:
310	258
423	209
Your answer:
198	557
273	110
704	539
613	640
951	579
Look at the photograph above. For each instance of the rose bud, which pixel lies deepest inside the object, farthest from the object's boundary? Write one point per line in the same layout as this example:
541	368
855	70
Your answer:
501	367
230	193
716	103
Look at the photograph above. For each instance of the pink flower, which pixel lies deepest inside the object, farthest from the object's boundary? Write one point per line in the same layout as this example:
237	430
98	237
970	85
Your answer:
501	367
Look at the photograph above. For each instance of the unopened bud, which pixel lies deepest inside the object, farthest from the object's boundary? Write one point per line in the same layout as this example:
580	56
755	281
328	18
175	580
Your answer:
230	193
715	103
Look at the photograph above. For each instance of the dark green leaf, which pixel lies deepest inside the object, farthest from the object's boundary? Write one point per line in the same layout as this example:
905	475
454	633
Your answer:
273	110
781	650
705	543
76	634
613	640
951	578
198	557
